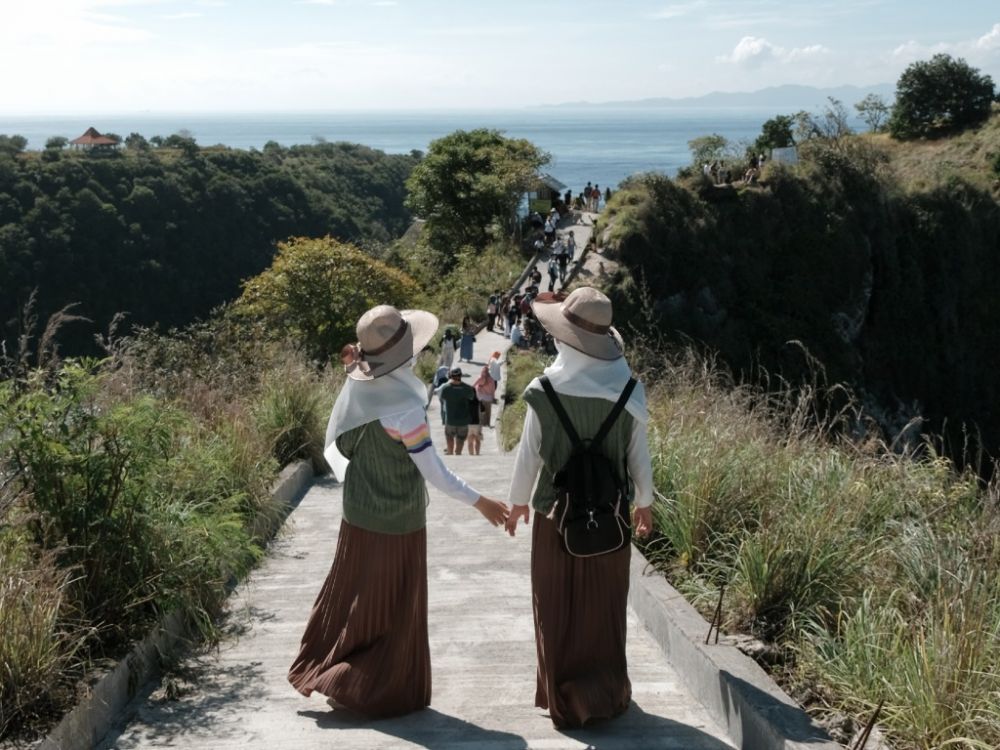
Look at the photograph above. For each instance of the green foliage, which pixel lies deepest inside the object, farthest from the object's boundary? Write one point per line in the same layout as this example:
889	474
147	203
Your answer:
775	133
522	368
315	291
56	142
468	188
11	145
707	148
834	256
940	95
291	414
475	275
166	237
871	573
875	111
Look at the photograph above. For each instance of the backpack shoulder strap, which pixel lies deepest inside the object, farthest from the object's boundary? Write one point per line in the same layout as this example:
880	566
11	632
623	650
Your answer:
574	437
616	411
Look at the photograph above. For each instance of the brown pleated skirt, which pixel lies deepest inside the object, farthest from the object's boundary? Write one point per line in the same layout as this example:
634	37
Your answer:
366	644
580	627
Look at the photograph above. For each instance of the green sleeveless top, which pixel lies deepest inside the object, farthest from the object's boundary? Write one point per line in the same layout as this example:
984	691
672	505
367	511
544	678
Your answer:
384	490
587	415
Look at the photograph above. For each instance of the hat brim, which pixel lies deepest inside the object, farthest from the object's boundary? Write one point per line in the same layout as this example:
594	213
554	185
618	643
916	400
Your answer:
423	326
607	346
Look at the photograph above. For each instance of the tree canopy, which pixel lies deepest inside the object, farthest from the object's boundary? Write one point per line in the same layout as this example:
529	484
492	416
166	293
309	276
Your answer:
316	289
167	235
775	133
940	95
469	185
874	110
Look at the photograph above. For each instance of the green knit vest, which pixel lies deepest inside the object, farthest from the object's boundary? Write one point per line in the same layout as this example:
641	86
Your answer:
384	490
587	415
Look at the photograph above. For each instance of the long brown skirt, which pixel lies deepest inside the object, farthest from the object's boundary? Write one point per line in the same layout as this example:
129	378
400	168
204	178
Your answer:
579	606
365	644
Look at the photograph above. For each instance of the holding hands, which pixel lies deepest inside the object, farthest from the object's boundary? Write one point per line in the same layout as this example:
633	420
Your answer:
493	510
518	511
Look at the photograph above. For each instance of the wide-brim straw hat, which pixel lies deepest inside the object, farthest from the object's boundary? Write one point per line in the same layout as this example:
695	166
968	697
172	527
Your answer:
387	339
581	320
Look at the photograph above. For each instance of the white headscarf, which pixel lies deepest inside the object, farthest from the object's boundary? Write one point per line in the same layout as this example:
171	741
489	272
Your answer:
362	401
577	374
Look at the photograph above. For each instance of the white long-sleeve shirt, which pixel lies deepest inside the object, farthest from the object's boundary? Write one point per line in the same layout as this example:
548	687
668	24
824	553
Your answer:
411	429
528	463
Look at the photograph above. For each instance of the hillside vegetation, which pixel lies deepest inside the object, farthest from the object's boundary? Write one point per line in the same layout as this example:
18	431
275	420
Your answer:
165	235
868	261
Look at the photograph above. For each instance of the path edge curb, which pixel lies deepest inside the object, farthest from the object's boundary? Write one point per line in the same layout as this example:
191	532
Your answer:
87	723
736	691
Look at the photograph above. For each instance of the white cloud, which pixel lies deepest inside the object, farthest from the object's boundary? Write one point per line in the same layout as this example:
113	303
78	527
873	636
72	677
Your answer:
989	40
979	51
677	10
385	3
752	51
181	16
315	2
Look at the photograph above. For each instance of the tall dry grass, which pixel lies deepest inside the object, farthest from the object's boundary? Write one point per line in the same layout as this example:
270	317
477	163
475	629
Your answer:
873	573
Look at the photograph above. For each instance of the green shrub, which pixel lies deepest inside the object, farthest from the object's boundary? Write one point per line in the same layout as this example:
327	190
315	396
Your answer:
292	411
522	368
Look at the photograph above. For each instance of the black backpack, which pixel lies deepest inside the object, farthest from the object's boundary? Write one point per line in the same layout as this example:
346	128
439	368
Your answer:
591	509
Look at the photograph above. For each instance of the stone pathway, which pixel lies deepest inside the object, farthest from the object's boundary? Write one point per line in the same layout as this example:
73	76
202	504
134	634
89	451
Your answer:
482	647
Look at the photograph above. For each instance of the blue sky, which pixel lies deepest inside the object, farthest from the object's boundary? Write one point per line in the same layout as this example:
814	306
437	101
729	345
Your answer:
69	56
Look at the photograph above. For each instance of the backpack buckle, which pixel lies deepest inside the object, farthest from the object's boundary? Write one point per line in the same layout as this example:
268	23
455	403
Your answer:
590	521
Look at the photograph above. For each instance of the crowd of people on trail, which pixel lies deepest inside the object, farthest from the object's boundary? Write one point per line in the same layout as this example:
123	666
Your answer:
591	196
366	646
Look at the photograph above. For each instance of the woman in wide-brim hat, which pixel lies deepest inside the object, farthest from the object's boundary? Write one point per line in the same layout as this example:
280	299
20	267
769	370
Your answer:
365	646
579	603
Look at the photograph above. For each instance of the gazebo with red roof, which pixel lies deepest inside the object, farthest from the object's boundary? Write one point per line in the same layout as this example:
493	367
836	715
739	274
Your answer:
93	139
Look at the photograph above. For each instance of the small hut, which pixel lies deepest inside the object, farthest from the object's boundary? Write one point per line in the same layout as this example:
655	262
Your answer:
92	140
544	193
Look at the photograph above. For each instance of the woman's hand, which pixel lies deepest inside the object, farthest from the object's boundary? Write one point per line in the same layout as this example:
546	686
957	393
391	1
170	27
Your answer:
642	521
493	510
519	511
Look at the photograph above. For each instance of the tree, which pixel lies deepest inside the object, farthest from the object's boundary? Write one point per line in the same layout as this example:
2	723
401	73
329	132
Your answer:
316	289
775	133
56	142
874	110
11	145
830	125
707	148
136	142
469	186
940	95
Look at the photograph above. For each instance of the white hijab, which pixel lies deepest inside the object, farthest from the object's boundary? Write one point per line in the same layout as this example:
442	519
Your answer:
362	401
577	374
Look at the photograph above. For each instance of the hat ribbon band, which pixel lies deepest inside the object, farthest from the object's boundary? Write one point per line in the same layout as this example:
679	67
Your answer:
393	340
585	324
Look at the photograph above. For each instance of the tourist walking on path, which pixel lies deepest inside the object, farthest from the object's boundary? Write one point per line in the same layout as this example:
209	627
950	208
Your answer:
579	602
570	245
447	349
486	386
456	397
492	309
468	339
365	646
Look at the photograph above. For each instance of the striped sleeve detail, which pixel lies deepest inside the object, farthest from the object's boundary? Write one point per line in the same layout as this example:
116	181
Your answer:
415	439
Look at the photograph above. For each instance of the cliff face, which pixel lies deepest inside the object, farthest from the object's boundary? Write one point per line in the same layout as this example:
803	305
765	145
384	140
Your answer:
892	292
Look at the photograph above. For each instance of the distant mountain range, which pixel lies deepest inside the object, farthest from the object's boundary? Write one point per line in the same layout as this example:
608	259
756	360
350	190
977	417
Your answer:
789	97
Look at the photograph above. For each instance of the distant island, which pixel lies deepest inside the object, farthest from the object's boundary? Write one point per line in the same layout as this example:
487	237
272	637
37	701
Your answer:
787	97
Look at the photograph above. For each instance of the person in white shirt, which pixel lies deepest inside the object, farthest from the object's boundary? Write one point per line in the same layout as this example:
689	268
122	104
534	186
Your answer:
582	670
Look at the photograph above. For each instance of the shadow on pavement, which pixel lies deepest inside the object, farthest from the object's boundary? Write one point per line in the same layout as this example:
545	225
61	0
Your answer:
428	728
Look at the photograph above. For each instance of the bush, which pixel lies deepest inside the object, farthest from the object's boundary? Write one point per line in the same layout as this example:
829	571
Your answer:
315	291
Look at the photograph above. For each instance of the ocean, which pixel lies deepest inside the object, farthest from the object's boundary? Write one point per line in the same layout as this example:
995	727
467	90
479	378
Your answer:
601	145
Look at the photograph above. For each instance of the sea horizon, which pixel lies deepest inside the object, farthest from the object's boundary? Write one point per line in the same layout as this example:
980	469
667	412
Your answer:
603	145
